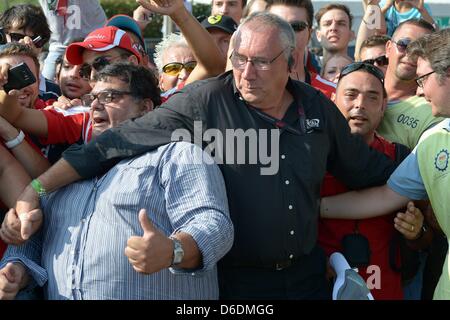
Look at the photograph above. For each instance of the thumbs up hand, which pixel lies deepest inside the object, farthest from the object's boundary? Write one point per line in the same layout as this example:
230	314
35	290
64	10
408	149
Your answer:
18	227
13	277
153	251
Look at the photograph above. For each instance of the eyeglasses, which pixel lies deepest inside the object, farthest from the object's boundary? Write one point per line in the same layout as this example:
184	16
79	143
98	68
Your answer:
299	26
103	97
379	61
239	61
174	68
402	44
355	66
421	80
16	37
98	64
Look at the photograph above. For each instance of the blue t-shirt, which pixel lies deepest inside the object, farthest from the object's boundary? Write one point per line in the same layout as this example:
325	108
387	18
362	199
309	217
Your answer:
394	18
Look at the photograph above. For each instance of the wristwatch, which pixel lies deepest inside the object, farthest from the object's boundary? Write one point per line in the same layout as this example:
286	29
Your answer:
423	230
178	252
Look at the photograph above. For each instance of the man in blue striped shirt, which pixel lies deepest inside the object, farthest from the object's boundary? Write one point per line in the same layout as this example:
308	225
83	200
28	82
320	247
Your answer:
95	245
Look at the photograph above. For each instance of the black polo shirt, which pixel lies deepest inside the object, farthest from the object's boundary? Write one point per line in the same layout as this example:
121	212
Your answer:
275	216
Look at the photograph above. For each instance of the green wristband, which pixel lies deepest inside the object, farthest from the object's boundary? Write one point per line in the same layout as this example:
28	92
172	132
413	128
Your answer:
37	186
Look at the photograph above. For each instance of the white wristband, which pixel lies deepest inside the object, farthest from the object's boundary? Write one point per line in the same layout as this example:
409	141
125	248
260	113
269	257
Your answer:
16	141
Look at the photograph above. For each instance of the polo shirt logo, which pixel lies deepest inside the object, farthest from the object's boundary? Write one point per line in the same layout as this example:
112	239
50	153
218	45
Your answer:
312	123
441	160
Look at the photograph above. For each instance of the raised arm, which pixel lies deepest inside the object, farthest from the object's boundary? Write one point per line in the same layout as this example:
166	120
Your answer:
420	5
372	23
29	120
209	58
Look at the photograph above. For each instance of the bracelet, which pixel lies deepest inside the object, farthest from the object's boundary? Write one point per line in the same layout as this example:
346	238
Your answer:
16	141
38	187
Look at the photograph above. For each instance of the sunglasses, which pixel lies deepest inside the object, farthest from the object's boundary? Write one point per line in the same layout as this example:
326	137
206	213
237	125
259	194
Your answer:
37	40
174	68
380	61
98	64
402	44
299	26
355	66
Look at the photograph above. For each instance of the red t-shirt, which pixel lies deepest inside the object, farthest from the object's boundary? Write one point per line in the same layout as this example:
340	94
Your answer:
327	87
379	231
67	126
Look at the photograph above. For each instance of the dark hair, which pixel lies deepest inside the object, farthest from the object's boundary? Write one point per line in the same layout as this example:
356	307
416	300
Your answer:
244	3
363	67
415	22
19	49
26	17
306	4
333	6
435	48
142	82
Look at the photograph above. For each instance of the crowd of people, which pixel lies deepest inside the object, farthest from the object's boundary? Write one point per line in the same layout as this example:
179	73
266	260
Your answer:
232	163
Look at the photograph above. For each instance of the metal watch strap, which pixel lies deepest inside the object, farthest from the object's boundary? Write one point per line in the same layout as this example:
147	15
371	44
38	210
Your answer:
178	252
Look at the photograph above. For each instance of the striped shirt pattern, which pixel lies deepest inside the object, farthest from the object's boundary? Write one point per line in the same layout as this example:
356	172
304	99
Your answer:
79	252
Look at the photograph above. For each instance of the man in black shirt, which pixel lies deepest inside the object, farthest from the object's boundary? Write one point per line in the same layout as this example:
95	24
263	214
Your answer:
273	195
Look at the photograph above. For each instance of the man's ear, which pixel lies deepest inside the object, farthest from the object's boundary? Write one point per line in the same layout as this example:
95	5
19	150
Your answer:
333	97
160	82
388	48
147	106
133	60
318	35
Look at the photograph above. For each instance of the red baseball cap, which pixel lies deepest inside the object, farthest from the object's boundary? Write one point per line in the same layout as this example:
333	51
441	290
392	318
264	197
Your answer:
102	39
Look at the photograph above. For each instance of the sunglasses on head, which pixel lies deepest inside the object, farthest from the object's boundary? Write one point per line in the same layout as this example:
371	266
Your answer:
299	26
16	37
402	44
355	66
174	68
380	61
98	64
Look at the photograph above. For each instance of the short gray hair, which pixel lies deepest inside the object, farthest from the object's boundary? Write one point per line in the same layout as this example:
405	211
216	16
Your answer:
173	40
435	48
268	20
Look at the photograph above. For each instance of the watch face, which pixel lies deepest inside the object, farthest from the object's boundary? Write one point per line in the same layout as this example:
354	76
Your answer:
178	252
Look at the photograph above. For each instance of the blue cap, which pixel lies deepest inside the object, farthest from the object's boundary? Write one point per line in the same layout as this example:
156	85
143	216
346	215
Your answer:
126	23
